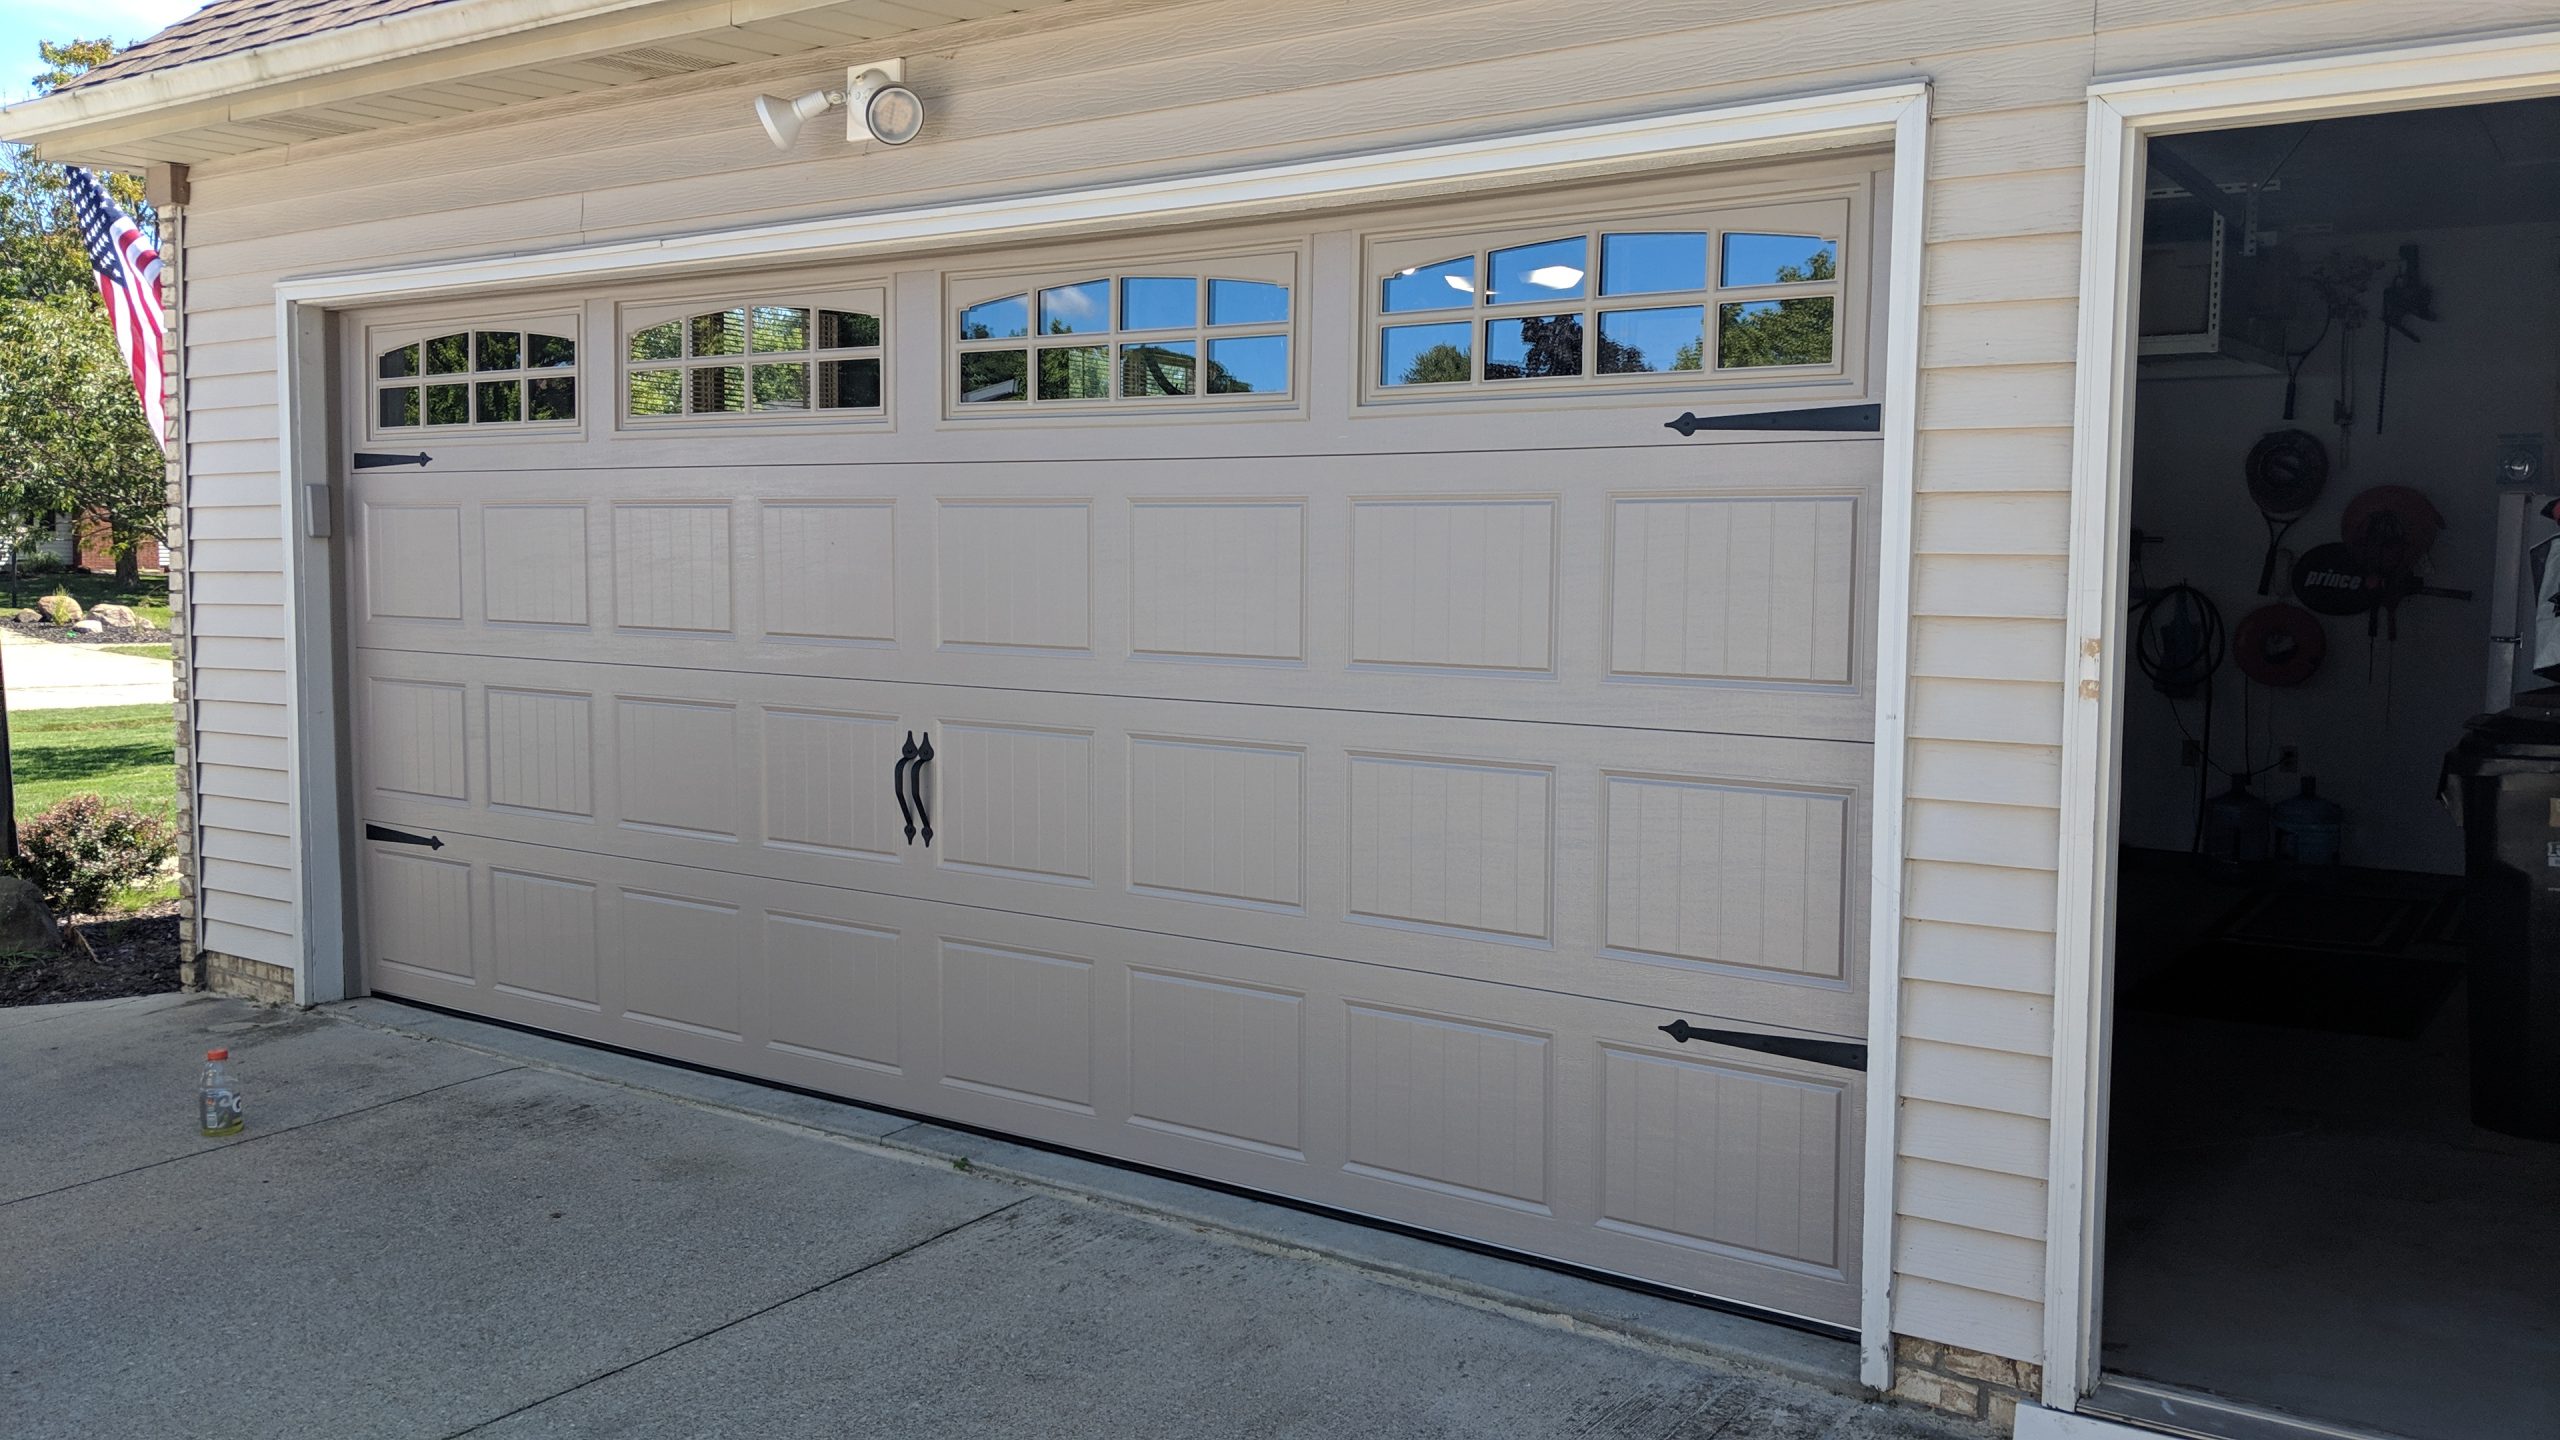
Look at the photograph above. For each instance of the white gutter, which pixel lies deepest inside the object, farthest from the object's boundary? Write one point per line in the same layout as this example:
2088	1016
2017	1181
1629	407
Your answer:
435	28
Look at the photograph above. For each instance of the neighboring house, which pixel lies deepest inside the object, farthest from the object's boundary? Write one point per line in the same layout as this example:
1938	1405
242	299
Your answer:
91	548
1353	749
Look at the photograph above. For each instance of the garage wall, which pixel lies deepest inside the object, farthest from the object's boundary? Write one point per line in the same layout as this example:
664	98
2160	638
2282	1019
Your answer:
1116	91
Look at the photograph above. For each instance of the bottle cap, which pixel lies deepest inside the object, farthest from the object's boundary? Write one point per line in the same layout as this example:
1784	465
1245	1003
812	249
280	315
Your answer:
217	1054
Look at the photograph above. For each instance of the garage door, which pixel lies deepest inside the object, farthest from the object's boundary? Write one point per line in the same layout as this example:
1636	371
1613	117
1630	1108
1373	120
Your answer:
1277	705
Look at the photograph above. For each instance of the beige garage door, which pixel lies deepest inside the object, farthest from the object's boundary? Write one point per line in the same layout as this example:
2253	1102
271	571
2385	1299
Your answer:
1276	705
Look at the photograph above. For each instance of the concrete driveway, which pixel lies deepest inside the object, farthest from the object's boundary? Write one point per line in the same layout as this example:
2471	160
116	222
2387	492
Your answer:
49	675
439	1228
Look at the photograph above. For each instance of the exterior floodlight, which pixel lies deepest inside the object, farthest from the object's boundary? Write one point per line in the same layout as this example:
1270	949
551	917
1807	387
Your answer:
782	118
879	108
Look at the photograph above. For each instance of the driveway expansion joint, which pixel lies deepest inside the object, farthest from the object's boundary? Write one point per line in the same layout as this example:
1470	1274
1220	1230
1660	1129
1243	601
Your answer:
856	1272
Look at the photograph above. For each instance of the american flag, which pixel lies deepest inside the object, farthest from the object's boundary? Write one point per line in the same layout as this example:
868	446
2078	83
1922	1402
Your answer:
129	284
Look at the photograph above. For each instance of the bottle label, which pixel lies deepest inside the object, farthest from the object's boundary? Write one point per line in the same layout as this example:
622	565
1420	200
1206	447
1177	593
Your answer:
221	1109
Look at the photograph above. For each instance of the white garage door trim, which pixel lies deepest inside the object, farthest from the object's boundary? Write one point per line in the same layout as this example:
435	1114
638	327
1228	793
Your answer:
1898	113
2123	115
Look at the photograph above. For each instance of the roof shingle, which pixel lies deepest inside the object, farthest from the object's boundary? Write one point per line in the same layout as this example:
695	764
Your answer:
227	27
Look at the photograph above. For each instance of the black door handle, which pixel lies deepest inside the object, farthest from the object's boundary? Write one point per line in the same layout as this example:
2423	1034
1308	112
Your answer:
915	778
898	783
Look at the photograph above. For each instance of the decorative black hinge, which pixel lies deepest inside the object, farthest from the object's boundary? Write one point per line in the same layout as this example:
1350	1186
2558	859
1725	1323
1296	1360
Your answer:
1848	419
1845	1055
401	837
375	460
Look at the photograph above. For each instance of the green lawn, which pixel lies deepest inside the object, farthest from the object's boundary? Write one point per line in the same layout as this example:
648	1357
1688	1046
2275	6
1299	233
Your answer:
147	652
126	753
148	595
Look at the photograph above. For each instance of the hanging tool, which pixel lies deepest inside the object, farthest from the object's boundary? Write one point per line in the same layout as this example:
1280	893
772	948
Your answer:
2406	298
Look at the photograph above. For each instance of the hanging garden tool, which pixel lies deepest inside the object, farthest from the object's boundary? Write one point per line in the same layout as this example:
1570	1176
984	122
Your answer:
2405	299
2286	470
2280	646
2341	279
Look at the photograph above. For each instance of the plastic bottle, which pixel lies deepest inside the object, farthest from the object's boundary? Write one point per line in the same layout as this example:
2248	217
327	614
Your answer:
219	1099
2238	830
2309	829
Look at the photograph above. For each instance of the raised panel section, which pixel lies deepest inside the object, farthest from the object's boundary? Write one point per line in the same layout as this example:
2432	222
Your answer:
543	936
413	738
830	571
1014	800
1017	1024
1015	576
1448	1105
1703	1154
1218	580
413	562
1756	588
826	781
419	912
1216	821
533	564
678	766
542	751
679	963
1450	843
1726	874
1216	1062
671	567
1464	584
831	990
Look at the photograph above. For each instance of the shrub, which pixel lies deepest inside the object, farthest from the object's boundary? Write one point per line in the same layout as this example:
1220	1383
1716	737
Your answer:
83	852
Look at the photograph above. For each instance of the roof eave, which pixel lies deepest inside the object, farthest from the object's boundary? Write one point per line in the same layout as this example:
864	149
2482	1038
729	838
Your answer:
51	122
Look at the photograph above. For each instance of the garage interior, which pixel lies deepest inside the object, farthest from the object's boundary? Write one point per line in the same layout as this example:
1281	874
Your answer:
2334	1144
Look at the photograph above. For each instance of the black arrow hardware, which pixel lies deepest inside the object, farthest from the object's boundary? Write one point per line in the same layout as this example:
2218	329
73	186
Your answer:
898	783
374	460
915	778
1840	1053
401	837
1846	419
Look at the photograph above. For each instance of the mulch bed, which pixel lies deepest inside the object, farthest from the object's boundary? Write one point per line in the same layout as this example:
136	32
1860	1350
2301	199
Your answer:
64	635
126	955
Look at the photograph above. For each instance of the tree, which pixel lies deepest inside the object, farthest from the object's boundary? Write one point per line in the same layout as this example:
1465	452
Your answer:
1781	332
72	438
72	434
40	248
1439	365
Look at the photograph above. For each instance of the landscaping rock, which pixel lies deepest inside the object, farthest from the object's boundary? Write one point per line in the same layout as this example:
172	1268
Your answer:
60	609
87	627
119	616
29	617
26	926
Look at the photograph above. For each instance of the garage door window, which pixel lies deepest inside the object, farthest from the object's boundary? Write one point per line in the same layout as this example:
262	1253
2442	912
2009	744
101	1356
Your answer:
522	376
1699	298
1101	339
743	362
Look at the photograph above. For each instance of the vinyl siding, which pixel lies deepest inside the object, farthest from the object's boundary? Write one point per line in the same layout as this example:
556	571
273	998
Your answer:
1123	89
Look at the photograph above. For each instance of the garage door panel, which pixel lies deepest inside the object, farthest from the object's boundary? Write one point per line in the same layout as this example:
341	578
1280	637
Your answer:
1710	875
1711	590
1556	1125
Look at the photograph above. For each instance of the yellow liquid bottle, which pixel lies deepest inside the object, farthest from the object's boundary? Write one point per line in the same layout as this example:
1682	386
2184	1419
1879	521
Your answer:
218	1100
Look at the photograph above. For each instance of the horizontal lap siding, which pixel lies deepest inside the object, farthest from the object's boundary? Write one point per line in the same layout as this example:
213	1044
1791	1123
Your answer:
1117	91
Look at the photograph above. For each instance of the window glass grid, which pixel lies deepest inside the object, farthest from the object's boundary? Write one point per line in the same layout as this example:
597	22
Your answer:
471	377
768	360
1443	322
1153	335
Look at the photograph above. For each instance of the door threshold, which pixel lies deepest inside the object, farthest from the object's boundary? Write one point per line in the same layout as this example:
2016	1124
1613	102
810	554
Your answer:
2177	1411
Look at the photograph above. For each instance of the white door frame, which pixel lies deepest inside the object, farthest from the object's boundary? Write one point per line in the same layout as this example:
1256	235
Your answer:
1897	114
2123	115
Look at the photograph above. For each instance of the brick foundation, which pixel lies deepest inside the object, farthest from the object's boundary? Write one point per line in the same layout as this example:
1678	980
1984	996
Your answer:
250	979
1967	1383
